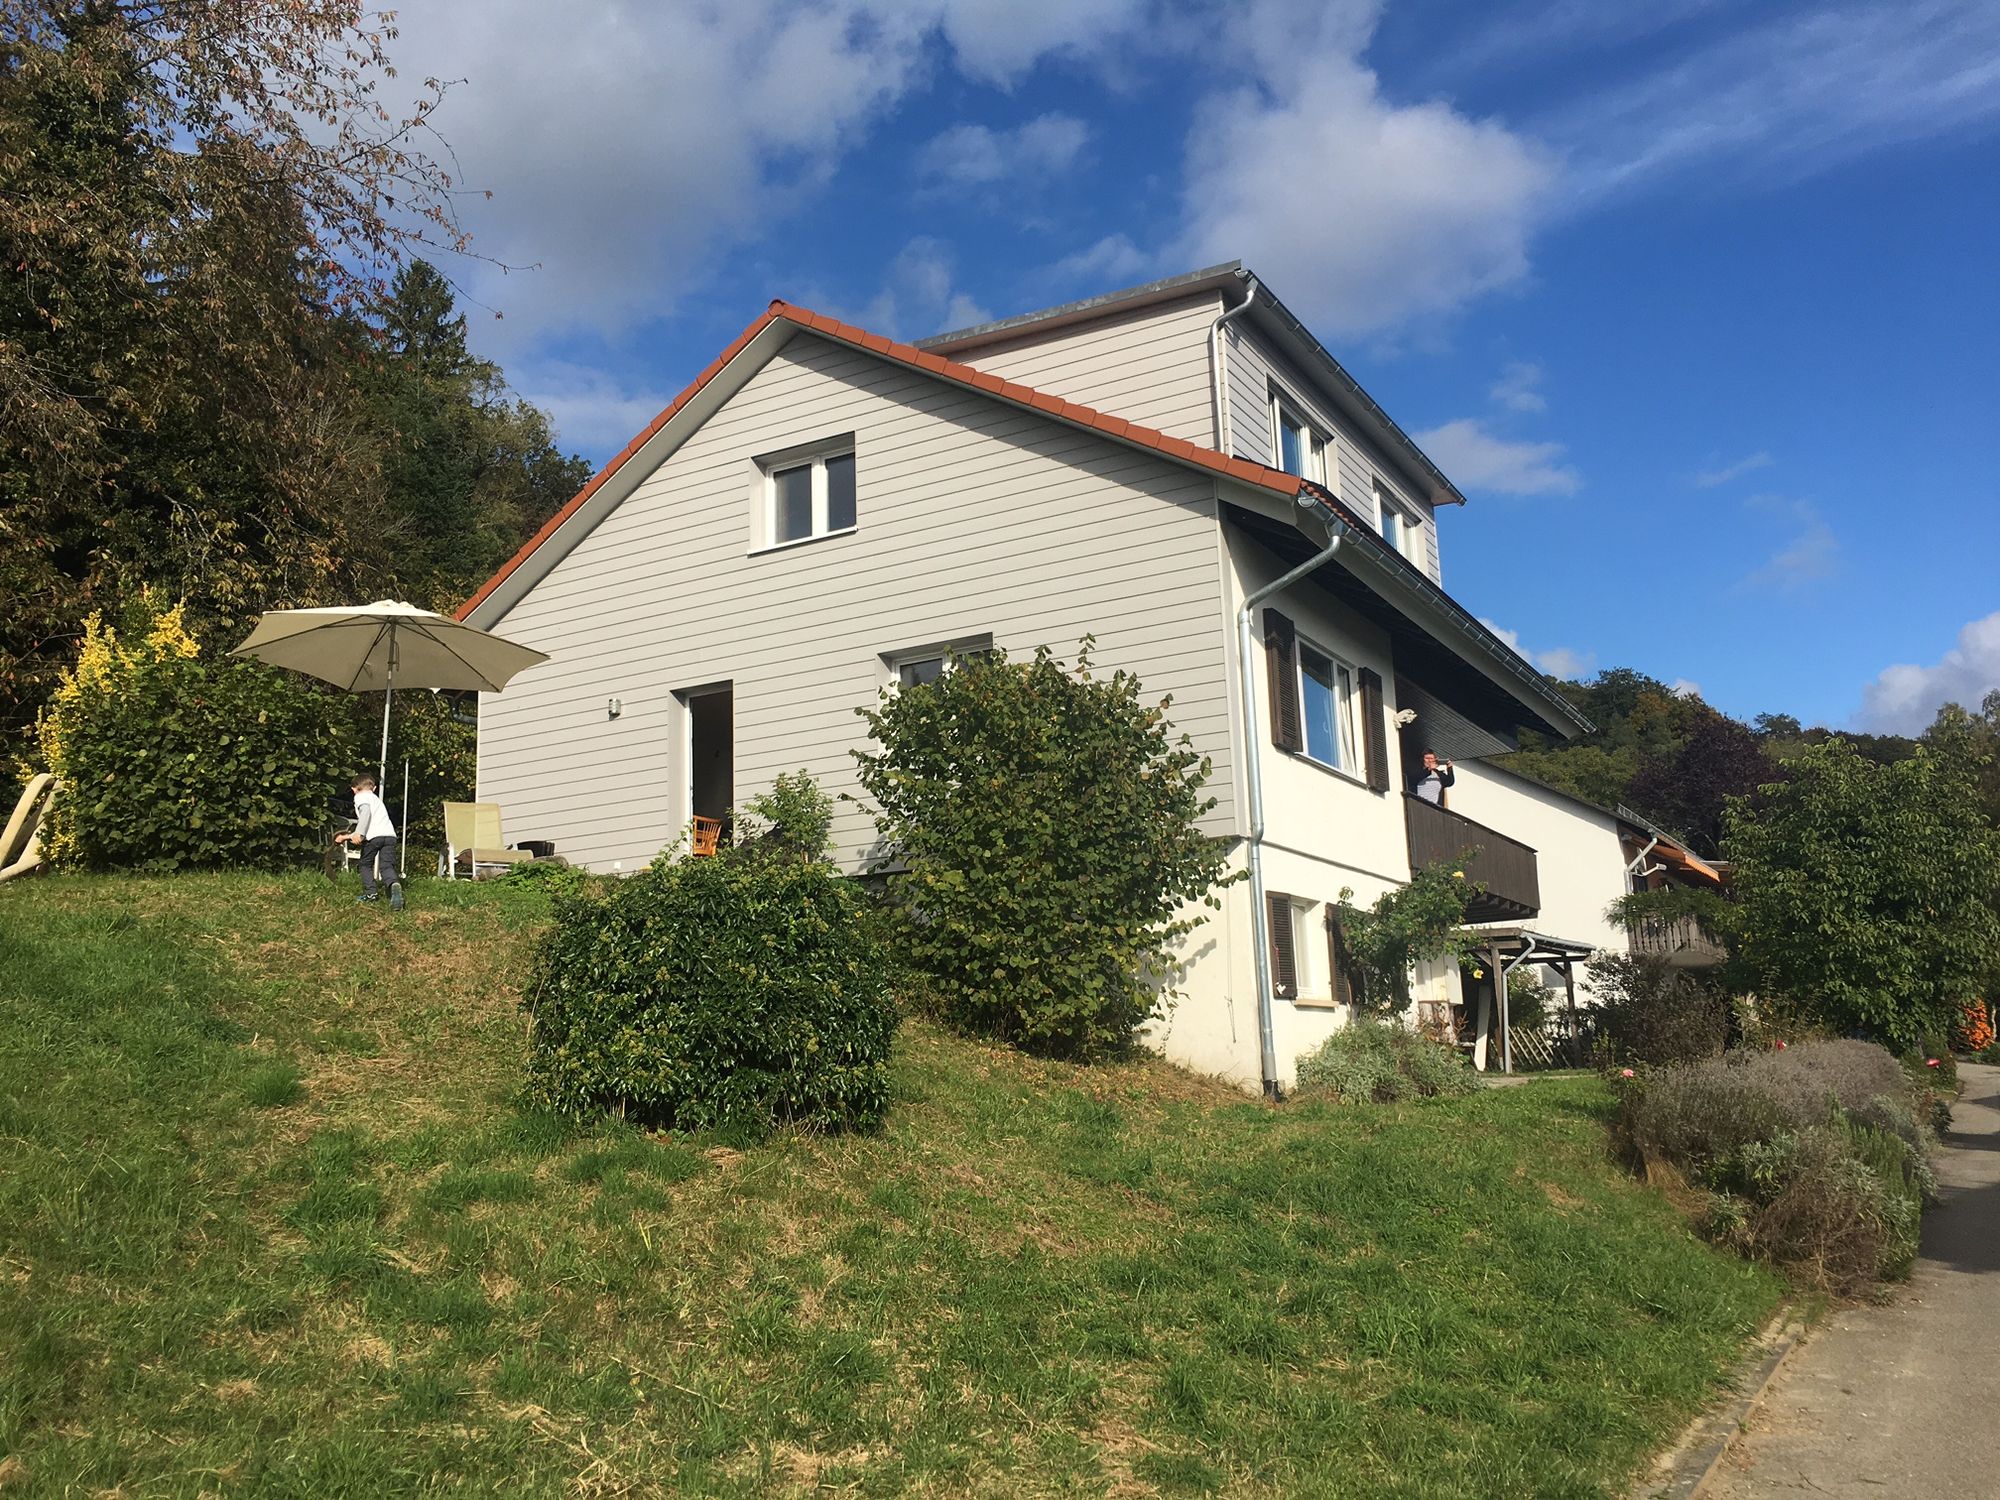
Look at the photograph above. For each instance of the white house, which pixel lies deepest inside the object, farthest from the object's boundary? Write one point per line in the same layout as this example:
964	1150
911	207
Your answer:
1180	470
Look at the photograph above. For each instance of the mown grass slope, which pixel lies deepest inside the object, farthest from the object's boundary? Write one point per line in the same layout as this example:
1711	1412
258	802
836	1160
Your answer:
271	1222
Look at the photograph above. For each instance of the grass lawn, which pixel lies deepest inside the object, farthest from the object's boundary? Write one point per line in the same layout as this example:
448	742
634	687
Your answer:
272	1223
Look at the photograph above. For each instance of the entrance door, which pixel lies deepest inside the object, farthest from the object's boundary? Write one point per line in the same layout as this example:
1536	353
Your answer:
712	753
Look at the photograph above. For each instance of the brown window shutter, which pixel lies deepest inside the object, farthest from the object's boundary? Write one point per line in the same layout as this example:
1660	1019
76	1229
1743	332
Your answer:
1281	653
1284	961
1374	738
1339	963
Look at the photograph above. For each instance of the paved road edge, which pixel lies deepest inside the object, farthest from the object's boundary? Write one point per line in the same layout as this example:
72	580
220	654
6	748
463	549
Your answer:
1684	1471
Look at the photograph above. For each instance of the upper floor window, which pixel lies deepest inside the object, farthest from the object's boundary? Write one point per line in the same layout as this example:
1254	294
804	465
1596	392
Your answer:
1400	529
1326	703
810	494
1301	449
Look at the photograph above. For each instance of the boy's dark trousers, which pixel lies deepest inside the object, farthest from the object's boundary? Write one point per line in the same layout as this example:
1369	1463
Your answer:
380	851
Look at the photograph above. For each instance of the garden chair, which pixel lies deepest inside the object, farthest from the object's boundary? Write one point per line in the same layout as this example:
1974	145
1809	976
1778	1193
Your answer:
21	845
472	834
705	837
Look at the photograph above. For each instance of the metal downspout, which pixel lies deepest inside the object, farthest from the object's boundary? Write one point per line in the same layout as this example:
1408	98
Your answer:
1216	367
1253	779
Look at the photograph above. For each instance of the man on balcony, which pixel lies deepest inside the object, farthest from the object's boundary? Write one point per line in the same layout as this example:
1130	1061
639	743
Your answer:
1430	782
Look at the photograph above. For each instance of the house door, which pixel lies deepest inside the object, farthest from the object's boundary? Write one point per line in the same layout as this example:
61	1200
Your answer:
711	758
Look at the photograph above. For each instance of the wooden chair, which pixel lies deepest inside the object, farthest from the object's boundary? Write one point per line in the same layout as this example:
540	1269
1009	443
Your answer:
705	837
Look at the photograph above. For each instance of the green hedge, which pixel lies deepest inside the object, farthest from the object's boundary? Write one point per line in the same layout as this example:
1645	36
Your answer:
172	759
719	993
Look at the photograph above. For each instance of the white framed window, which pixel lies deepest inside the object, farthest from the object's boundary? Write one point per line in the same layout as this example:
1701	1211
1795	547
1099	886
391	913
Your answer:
914	666
1297	445
1326	709
809	492
1400	529
1301	963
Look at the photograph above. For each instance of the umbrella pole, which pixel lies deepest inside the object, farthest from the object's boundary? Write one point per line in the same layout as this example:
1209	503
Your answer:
388	697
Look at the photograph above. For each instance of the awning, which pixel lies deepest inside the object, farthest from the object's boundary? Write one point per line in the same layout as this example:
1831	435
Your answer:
1672	854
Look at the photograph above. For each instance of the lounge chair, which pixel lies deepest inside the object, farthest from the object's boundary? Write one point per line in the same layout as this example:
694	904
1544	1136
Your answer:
21	843
472	834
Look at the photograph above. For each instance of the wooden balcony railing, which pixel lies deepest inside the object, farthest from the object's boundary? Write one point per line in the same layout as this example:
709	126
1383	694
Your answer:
1682	941
1505	867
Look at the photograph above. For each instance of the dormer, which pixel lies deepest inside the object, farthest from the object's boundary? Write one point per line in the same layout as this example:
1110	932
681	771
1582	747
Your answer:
1214	358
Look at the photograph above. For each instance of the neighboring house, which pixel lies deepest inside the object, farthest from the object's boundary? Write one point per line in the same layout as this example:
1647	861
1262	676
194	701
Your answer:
826	513
1589	856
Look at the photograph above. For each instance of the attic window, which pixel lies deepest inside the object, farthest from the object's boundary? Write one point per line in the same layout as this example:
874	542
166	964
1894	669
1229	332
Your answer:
809	494
1300	449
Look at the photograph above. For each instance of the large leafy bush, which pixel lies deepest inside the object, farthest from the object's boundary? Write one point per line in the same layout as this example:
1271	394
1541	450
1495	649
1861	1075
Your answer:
1040	830
719	993
1648	1011
1866	891
174	759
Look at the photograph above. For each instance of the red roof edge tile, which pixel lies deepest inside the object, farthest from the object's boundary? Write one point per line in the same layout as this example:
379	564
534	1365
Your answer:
1243	470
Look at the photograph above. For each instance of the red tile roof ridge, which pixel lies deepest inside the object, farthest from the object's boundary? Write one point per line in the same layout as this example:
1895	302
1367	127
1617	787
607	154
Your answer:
1244	470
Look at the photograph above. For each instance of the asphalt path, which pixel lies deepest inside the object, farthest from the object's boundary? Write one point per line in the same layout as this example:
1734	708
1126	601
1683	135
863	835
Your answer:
1902	1398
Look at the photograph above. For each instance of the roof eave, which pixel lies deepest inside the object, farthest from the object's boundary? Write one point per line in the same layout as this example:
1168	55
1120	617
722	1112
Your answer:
1426	603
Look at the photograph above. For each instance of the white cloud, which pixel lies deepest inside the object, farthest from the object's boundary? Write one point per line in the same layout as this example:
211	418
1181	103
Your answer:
920	296
1682	687
1560	661
979	156
995	41
1366	211
626	143
1477	459
590	411
1810	554
1791	95
1111	262
1557	661
1709	479
1518	388
1905	698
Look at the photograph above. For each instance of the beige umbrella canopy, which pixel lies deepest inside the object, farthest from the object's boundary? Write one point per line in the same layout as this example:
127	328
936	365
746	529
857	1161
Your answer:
379	647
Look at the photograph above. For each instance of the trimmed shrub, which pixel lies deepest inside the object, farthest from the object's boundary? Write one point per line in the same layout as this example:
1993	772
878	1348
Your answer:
1650	1012
1699	1116
1818	1154
1040	830
720	993
1377	1062
173	760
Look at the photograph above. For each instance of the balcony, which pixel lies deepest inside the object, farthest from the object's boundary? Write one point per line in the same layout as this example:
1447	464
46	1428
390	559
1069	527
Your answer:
1505	867
1682	941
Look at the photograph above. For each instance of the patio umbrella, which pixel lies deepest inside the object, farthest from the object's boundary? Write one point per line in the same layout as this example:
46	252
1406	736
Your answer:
366	648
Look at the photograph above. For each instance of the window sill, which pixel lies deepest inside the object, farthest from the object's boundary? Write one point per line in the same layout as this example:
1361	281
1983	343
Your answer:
1315	1002
802	541
1334	771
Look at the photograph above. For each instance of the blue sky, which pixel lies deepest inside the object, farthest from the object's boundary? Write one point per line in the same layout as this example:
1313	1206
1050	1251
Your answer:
1697	301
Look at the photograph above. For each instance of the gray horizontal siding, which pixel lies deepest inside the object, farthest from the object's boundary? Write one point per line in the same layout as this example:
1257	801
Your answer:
1149	366
974	518
1252	367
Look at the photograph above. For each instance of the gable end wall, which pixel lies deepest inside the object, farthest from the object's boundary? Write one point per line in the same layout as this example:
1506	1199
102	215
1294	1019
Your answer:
974	517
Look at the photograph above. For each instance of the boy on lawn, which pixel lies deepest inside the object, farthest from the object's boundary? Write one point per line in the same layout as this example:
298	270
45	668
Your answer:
377	837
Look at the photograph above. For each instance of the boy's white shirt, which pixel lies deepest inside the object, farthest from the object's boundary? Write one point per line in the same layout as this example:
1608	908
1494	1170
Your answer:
371	817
